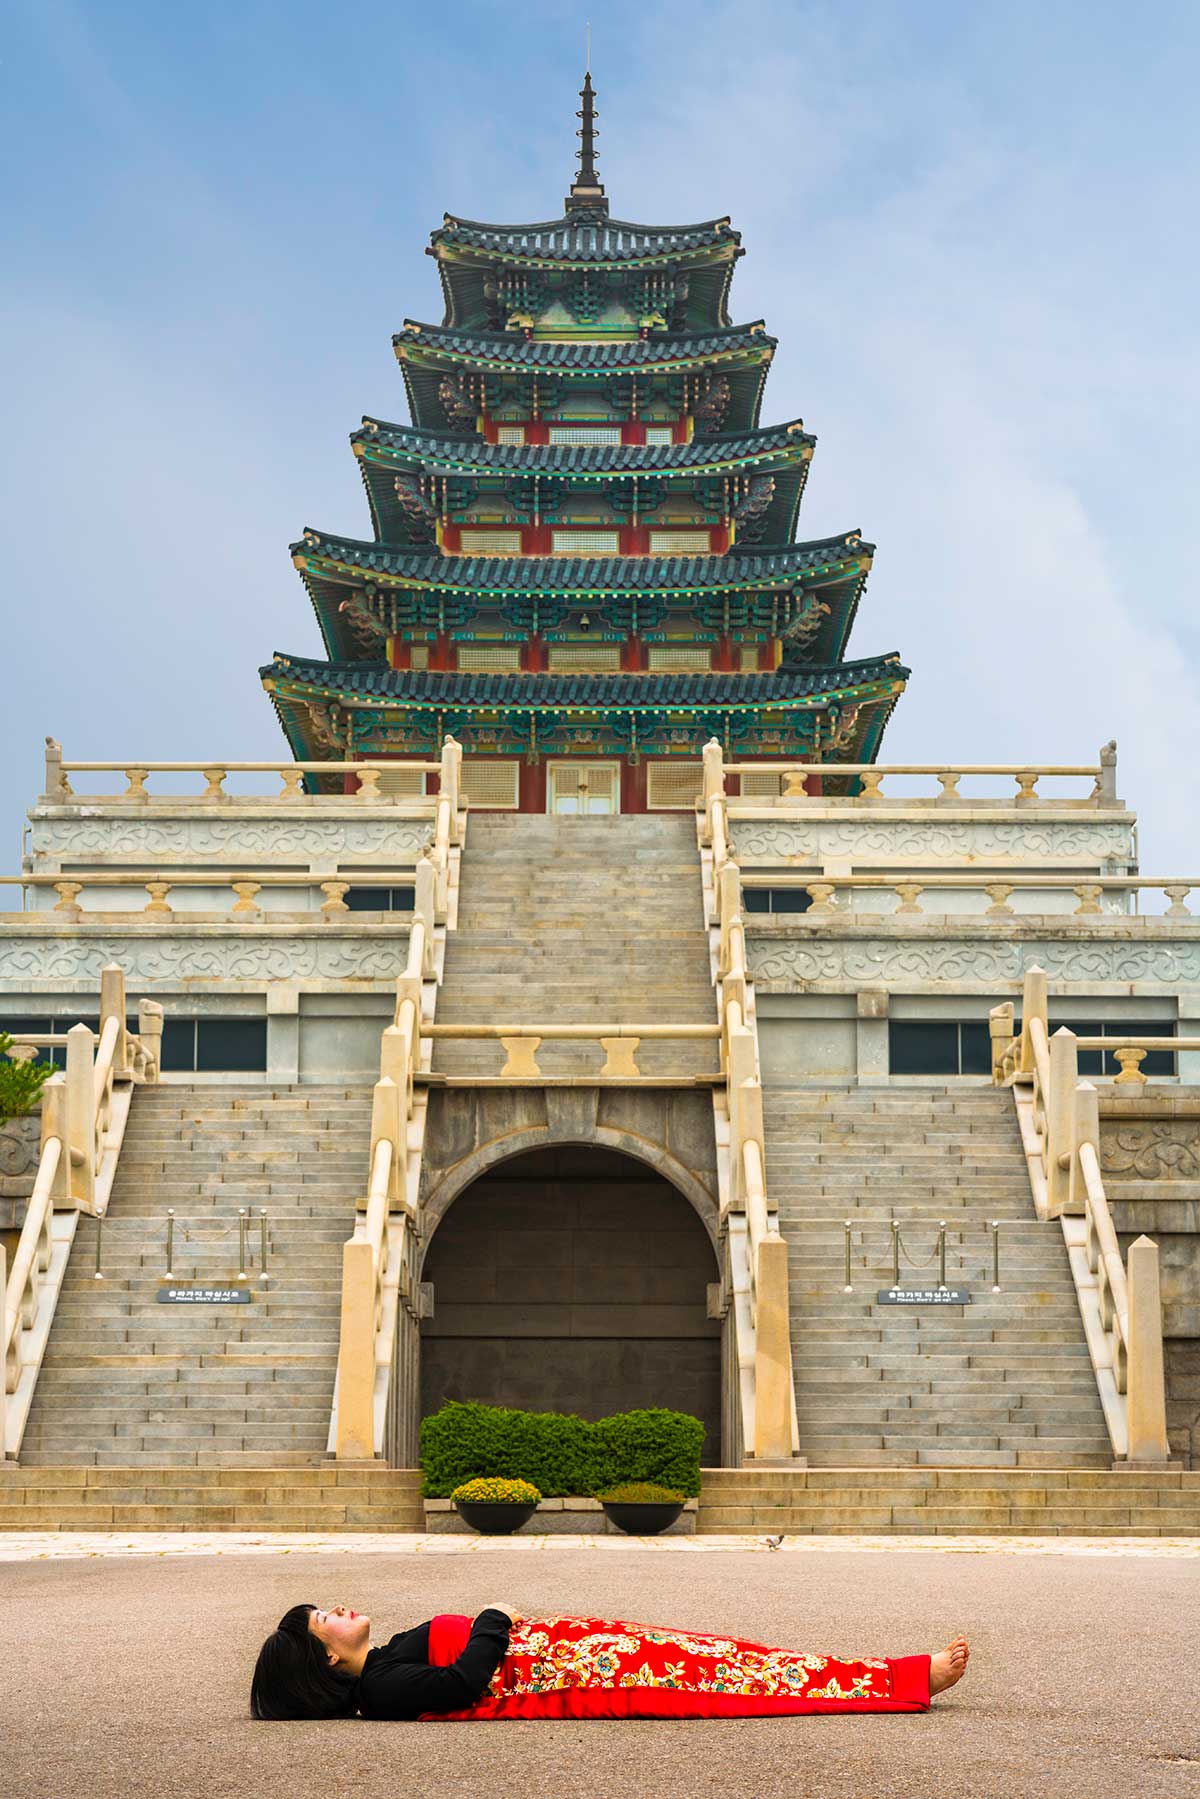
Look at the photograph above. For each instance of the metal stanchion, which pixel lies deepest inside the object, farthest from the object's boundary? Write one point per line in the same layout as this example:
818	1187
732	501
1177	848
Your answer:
895	1252
848	1288
995	1255
170	1245
942	1254
262	1243
241	1243
98	1276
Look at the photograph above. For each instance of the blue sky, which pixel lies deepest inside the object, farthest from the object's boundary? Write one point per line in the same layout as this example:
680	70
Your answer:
972	228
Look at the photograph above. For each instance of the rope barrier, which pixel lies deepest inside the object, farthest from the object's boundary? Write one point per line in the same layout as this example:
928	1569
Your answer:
217	1234
899	1248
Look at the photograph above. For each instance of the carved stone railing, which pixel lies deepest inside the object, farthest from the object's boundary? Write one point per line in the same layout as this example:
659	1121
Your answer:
756	1271
919	896
367	775
84	1113
379	1262
244	886
1060	1129
618	1041
803	782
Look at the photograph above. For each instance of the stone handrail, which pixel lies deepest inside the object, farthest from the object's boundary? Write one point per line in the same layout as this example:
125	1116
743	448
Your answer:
84	1113
871	776
823	889
245	886
761	1308
1121	1307
380	1258
216	771
618	1041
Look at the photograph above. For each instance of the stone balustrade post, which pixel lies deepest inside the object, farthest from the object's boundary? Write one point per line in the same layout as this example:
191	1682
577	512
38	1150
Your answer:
334	903
112	1005
999	892
729	905
713	785
451	783
1000	1033
772	1354
1060	1119
1145	1381
67	903
948	780
54	1124
215	779
355	1437
79	1146
1106	780
1088	895
1033	1005
57	787
388	1125
1176	892
293	784
745	1126
150	1032
368	785
741	1058
424	905
1026	794
908	893
821	893
870	785
1130	1061
156	906
1085	1129
136	789
244	906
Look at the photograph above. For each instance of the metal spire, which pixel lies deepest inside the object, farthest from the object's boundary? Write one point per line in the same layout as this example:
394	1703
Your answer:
587	190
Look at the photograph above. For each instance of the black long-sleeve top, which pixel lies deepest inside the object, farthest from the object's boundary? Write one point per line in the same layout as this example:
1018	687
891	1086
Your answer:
399	1682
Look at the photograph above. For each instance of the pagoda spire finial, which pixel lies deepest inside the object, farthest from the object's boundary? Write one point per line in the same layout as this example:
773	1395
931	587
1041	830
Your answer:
587	190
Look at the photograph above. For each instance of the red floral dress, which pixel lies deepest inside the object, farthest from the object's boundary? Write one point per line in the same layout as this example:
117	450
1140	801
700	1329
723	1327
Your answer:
602	1668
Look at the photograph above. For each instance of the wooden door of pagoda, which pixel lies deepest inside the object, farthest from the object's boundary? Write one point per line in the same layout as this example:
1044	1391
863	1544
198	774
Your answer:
584	789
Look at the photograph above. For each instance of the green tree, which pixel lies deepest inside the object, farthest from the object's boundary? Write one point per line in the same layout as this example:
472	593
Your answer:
21	1083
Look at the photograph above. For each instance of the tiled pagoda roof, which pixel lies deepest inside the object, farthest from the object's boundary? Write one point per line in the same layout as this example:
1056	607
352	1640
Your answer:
583	237
869	679
778	566
444	452
504	350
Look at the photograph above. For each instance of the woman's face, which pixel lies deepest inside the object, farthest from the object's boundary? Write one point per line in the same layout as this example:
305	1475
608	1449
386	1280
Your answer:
342	1630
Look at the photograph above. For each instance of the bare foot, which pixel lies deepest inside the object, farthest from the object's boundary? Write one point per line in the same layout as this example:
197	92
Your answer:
949	1666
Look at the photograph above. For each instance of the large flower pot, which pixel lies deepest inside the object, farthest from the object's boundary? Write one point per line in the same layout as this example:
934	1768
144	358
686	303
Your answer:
641	1520
494	1520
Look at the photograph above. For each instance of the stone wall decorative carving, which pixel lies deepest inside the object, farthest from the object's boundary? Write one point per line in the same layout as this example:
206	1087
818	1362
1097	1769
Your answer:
307	839
789	965
470	1131
20	1147
192	958
927	839
1151	1150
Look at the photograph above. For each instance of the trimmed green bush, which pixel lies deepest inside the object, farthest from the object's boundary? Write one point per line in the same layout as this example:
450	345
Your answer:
496	1492
561	1454
21	1083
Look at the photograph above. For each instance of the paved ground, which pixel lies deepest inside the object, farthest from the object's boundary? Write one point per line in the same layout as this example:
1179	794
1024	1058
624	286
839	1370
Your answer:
127	1662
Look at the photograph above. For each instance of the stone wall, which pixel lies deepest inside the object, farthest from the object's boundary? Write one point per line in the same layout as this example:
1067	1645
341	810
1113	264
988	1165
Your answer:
573	1280
1150	1154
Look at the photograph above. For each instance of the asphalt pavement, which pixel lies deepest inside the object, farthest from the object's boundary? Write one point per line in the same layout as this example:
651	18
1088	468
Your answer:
128	1677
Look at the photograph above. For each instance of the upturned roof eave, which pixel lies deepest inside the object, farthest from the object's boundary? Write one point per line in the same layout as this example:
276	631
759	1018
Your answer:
488	347
474	572
781	445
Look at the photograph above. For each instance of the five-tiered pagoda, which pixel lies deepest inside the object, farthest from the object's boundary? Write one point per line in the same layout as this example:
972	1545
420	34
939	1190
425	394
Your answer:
584	561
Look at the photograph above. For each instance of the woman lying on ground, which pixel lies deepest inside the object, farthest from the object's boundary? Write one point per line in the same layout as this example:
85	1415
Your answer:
320	1664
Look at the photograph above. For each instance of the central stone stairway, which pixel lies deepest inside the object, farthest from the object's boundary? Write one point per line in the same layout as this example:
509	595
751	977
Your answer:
1002	1382
578	921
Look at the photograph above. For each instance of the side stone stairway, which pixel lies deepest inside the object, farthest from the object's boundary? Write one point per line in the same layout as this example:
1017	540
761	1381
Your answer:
147	1413
1002	1382
578	921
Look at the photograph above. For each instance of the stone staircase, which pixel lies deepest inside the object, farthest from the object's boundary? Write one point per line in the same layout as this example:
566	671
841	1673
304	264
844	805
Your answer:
984	1502
1002	1382
130	1383
578	921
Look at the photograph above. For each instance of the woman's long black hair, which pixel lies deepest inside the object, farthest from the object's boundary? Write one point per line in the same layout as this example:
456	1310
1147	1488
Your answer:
293	1678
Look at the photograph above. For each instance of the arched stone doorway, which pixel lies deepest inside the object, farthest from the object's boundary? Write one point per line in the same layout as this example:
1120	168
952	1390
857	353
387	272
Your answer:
573	1279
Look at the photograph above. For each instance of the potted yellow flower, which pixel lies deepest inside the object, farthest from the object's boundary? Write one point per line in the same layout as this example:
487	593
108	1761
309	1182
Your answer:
494	1507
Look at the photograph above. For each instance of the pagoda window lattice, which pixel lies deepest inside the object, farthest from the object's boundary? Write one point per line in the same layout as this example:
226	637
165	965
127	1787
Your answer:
497	658
585	434
678	658
586	543
479	542
584	658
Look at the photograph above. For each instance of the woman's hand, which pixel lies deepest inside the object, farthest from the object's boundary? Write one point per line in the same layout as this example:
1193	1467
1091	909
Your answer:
498	1605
